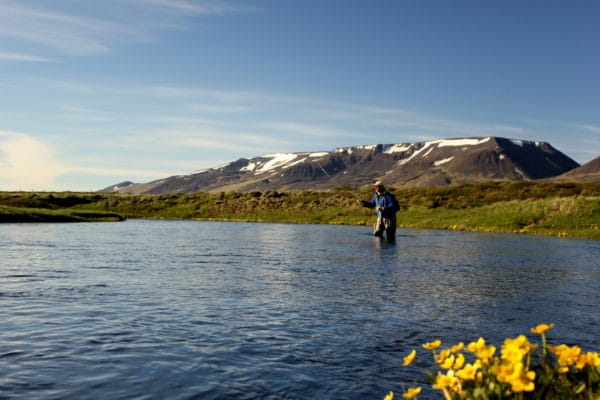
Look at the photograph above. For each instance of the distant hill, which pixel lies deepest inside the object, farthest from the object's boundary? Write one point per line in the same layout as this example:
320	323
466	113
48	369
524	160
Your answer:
433	163
118	187
588	172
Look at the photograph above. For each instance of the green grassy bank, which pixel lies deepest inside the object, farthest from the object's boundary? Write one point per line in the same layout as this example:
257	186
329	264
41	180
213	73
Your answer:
21	214
569	210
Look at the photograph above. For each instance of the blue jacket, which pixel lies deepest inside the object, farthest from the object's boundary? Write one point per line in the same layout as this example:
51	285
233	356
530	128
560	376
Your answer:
385	200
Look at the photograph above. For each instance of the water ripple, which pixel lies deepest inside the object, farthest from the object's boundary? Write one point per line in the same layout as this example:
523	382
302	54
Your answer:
197	310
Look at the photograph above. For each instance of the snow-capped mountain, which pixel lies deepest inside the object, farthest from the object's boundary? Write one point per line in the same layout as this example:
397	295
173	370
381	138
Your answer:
432	163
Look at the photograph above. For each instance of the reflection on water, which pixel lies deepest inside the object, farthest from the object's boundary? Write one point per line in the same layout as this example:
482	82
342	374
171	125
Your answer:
181	310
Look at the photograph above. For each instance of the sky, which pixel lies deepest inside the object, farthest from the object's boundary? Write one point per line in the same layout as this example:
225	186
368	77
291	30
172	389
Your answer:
93	93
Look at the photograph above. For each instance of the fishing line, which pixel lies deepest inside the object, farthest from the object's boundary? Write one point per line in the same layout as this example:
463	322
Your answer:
337	185
325	172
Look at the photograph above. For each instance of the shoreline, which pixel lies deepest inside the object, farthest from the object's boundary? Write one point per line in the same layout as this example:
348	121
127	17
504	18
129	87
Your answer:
561	210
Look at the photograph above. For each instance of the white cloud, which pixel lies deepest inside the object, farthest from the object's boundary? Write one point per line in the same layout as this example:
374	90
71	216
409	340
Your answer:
27	163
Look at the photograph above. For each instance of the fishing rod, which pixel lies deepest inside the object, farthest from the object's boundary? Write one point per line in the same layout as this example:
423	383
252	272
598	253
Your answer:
337	185
325	172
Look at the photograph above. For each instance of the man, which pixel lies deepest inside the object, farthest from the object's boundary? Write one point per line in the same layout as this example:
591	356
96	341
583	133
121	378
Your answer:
386	206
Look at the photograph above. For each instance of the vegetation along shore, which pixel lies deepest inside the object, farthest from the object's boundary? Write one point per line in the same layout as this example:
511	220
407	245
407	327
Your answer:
542	208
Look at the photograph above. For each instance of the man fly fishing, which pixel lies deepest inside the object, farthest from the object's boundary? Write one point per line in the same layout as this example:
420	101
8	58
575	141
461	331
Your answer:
386	206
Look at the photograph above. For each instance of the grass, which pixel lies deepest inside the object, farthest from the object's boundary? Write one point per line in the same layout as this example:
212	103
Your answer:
565	209
567	217
20	214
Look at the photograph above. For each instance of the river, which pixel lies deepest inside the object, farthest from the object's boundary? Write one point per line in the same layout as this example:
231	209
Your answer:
210	310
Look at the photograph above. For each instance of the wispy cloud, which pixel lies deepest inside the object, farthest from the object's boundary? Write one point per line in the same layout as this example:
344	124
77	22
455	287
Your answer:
116	172
589	128
96	27
110	130
439	126
319	118
195	8
221	109
22	57
307	129
87	115
214	139
61	31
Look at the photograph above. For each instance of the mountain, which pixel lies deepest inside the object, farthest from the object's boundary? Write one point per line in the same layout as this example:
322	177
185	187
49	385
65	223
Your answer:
588	172
121	186
434	163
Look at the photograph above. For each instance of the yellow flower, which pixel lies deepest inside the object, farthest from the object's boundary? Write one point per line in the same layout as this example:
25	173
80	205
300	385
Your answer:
389	396
469	372
542	328
514	350
442	356
567	356
524	383
446	381
447	363
450	358
432	345
457	347
474	347
411	393
516	375
481	350
409	358
460	361
451	361
592	359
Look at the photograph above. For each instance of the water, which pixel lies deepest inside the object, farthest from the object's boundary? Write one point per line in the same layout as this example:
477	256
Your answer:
207	310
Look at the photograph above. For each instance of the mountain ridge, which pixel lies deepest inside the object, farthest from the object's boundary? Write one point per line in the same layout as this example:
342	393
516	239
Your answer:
432	163
588	172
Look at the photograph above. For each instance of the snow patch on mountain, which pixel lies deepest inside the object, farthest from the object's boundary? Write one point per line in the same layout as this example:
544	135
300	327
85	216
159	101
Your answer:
444	161
416	153
461	142
277	160
367	147
397	148
429	151
299	161
249	168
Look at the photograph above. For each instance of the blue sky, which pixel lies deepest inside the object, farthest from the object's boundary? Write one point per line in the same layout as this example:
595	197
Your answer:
96	92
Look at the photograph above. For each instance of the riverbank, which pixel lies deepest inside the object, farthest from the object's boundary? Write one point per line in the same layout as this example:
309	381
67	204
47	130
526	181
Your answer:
19	214
566	210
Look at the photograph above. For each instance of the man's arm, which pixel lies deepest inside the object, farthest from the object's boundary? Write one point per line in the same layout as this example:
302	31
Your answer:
364	203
